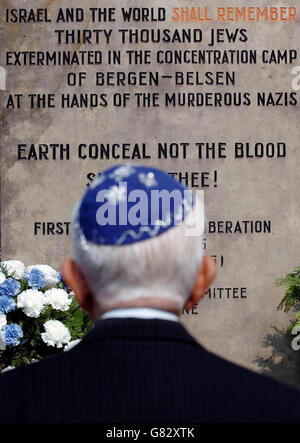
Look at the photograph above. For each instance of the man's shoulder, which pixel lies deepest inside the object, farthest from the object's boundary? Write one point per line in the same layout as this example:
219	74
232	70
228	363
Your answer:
253	387
24	387
224	385
35	377
225	367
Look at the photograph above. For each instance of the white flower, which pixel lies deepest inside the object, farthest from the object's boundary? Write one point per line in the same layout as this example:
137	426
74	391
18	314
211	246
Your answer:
14	268
8	368
2	277
32	302
3	321
58	299
56	333
51	276
72	344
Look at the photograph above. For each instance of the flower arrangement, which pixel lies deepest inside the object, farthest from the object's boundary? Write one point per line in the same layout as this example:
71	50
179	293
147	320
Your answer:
39	315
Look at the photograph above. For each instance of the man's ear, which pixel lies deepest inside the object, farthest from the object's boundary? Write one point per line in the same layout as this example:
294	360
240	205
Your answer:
74	278
203	280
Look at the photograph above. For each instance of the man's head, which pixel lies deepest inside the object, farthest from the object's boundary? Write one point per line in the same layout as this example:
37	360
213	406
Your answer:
165	270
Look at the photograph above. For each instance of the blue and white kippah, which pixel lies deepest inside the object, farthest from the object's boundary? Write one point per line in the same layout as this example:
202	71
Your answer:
128	204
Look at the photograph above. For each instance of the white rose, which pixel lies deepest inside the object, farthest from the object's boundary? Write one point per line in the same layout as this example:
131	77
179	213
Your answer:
2	277
3	321
56	333
72	344
58	299
51	276
14	268
32	302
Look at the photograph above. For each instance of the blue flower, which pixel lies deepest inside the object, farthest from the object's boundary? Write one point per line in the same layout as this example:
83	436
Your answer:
35	278
12	333
10	287
7	304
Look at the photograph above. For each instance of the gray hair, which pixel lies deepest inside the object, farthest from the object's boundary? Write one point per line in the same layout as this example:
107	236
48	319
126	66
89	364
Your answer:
164	266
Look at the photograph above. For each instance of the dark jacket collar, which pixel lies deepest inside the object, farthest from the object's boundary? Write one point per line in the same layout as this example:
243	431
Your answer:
139	329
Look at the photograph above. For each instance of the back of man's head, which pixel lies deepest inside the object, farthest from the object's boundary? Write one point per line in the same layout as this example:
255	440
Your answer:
133	244
160	268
